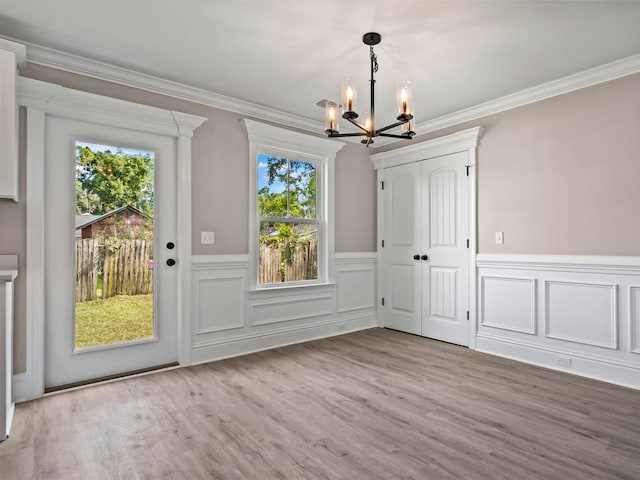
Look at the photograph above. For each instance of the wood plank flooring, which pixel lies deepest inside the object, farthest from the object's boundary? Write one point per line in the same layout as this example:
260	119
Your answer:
375	404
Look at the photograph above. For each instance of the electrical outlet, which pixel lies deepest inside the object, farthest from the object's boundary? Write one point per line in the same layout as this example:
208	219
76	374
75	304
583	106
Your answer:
207	238
499	238
563	362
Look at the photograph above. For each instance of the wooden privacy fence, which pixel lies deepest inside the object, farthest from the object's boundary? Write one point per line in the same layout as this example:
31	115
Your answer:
87	260
288	261
125	270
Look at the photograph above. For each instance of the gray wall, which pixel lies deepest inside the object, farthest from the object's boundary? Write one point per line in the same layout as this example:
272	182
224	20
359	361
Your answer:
562	176
558	176
220	186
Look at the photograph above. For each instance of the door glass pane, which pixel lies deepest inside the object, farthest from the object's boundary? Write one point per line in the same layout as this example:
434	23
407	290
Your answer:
114	245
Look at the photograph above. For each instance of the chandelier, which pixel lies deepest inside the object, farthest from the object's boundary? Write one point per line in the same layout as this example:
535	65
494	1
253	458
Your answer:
367	127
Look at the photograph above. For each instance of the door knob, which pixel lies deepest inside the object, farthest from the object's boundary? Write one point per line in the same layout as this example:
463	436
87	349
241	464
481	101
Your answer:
171	245
416	257
171	262
425	257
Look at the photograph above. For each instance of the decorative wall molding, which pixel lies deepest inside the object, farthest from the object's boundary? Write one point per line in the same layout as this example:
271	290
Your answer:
562	263
581	312
634	319
39	55
287	309
48	57
590	310
519	314
218	302
208	262
232	319
356	279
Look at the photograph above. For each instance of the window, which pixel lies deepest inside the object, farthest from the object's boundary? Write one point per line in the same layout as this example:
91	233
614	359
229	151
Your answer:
288	239
291	205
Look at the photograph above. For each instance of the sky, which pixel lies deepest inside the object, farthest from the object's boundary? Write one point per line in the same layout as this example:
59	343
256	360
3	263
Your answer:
263	178
96	147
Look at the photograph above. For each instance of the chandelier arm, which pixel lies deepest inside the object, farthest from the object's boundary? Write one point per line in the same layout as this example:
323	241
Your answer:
337	135
358	125
389	127
392	135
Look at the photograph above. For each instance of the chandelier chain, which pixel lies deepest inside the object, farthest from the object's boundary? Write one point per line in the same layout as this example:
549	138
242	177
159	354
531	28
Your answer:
374	59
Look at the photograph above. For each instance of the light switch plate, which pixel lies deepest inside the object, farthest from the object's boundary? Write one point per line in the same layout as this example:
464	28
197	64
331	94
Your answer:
207	238
499	238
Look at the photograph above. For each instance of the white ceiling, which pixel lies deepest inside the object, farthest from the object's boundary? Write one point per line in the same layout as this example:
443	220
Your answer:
288	54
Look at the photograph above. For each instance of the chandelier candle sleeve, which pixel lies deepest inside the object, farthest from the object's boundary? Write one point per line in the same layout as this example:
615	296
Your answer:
368	126
349	97
331	119
405	102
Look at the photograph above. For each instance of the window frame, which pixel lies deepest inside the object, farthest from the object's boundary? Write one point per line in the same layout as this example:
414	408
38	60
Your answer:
273	141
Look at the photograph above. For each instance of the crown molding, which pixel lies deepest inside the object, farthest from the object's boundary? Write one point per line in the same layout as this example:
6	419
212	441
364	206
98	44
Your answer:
587	78
48	57
455	142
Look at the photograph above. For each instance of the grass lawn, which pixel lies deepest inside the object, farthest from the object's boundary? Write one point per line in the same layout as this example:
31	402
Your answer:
114	320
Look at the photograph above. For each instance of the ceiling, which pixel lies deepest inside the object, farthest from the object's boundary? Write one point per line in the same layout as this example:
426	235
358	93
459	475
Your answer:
288	54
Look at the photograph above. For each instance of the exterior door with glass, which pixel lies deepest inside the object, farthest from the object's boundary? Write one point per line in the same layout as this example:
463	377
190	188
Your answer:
111	280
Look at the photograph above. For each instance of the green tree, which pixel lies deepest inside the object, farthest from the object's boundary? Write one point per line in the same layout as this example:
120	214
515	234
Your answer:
299	196
109	180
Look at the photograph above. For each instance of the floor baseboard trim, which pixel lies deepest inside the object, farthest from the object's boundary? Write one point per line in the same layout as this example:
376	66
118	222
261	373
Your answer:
244	346
546	357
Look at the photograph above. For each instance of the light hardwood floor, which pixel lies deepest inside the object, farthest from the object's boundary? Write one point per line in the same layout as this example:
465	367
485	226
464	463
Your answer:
376	404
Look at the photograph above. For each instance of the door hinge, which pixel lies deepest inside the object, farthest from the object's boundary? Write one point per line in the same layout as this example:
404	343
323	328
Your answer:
382	185
467	167
467	314
383	301
467	243
382	243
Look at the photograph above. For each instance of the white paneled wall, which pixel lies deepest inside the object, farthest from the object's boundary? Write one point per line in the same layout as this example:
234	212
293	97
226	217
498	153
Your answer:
579	314
230	320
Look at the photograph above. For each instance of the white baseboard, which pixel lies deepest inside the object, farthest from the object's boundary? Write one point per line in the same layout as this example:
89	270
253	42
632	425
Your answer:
20	388
603	369
251	343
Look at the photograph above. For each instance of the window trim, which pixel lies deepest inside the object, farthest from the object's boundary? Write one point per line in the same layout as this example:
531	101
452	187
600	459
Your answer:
269	140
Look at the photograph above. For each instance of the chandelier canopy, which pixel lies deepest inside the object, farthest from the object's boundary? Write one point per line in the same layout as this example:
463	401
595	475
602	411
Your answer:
367	127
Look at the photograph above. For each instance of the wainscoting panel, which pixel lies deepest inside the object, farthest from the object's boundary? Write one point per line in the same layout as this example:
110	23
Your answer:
508	303
230	320
579	314
356	287
634	315
219	302
582	313
265	312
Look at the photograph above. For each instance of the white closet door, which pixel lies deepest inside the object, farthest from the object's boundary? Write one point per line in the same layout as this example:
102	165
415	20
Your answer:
402	273
445	230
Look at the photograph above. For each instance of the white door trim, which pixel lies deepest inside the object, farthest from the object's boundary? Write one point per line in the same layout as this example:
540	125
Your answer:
465	140
43	99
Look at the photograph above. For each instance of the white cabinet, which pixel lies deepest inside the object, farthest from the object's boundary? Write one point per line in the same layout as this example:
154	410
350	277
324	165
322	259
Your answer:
12	55
8	273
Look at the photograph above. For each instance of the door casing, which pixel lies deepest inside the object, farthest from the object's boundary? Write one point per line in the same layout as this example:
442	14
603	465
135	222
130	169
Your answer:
463	141
42	100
